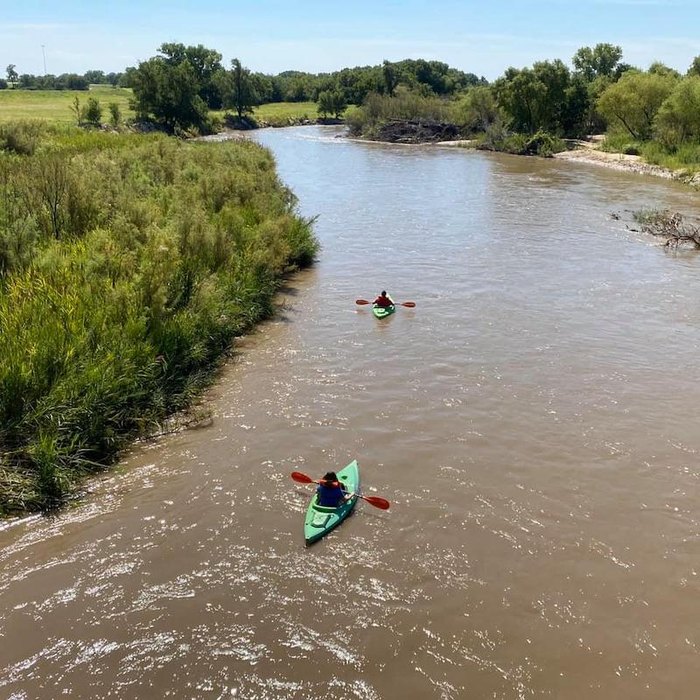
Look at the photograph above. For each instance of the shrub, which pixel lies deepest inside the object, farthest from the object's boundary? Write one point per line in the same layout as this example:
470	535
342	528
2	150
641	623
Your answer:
115	114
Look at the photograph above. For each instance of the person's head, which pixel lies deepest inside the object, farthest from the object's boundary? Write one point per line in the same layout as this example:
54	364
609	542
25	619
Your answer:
384	293
330	479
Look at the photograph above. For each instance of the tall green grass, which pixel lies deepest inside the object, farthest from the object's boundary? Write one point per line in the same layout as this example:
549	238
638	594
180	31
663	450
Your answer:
129	263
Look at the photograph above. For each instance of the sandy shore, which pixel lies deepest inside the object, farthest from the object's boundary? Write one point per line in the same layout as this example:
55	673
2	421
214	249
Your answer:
589	152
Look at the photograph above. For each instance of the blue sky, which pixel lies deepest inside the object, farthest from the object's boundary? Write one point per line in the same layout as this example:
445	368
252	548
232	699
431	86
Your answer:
483	37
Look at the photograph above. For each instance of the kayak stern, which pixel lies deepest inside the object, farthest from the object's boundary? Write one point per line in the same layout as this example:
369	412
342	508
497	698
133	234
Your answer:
320	520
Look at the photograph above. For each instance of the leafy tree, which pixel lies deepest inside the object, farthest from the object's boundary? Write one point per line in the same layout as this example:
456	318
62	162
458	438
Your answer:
478	109
115	114
325	103
70	81
205	63
3	84
12	76
535	98
694	67
264	87
602	60
391	78
658	68
338	103
169	92
94	77
357	83
92	112
578	116
678	118
634	100
239	90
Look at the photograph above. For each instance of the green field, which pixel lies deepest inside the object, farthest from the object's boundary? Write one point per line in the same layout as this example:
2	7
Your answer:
286	110
55	105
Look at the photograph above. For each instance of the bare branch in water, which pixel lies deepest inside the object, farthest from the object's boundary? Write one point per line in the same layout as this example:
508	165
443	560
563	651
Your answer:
671	226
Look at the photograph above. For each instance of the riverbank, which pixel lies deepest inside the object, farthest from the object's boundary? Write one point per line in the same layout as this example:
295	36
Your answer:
589	152
135	260
586	152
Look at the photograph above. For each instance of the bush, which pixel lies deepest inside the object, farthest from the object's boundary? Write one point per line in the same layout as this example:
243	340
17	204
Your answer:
20	137
115	114
378	109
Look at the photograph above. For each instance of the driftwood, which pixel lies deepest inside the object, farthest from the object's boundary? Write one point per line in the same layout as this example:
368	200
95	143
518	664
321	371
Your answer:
417	131
671	226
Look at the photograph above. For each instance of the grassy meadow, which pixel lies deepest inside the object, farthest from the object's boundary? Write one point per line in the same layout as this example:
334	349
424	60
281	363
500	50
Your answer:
283	112
54	106
128	264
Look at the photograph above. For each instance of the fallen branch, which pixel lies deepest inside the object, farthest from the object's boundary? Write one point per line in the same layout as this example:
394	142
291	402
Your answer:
671	226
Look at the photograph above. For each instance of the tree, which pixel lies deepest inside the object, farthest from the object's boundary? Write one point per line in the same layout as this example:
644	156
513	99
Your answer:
535	98
240	93
206	65
391	78
602	60
325	103
77	111
694	67
633	101
95	77
338	103
678	118
169	92
115	114
92	112
12	76
478	109
658	68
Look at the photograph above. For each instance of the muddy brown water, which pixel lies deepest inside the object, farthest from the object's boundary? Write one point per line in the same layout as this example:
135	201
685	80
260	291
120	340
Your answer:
534	422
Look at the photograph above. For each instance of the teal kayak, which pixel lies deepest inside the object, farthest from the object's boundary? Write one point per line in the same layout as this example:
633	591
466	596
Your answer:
320	520
383	311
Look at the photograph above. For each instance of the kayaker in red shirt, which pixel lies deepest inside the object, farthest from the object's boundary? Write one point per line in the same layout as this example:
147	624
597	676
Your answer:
331	493
383	300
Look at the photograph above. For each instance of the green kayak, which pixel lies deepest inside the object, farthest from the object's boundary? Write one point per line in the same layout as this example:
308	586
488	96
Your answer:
320	520
383	311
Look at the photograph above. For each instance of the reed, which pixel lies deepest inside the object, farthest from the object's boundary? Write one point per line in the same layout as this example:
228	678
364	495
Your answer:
129	264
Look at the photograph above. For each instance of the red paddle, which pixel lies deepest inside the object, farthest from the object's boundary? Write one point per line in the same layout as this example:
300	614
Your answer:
376	501
409	304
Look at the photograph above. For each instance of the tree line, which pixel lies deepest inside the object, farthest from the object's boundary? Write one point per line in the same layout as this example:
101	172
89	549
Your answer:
179	85
654	110
65	81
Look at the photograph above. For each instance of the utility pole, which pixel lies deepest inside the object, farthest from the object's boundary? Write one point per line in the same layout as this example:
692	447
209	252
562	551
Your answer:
43	53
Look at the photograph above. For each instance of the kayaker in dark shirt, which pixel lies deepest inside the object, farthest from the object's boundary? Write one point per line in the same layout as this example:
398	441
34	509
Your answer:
383	300
331	492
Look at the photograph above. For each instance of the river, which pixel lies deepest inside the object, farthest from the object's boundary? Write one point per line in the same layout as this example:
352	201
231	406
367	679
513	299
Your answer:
533	422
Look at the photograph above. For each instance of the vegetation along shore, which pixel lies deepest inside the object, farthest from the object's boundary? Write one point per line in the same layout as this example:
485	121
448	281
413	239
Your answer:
129	260
128	263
